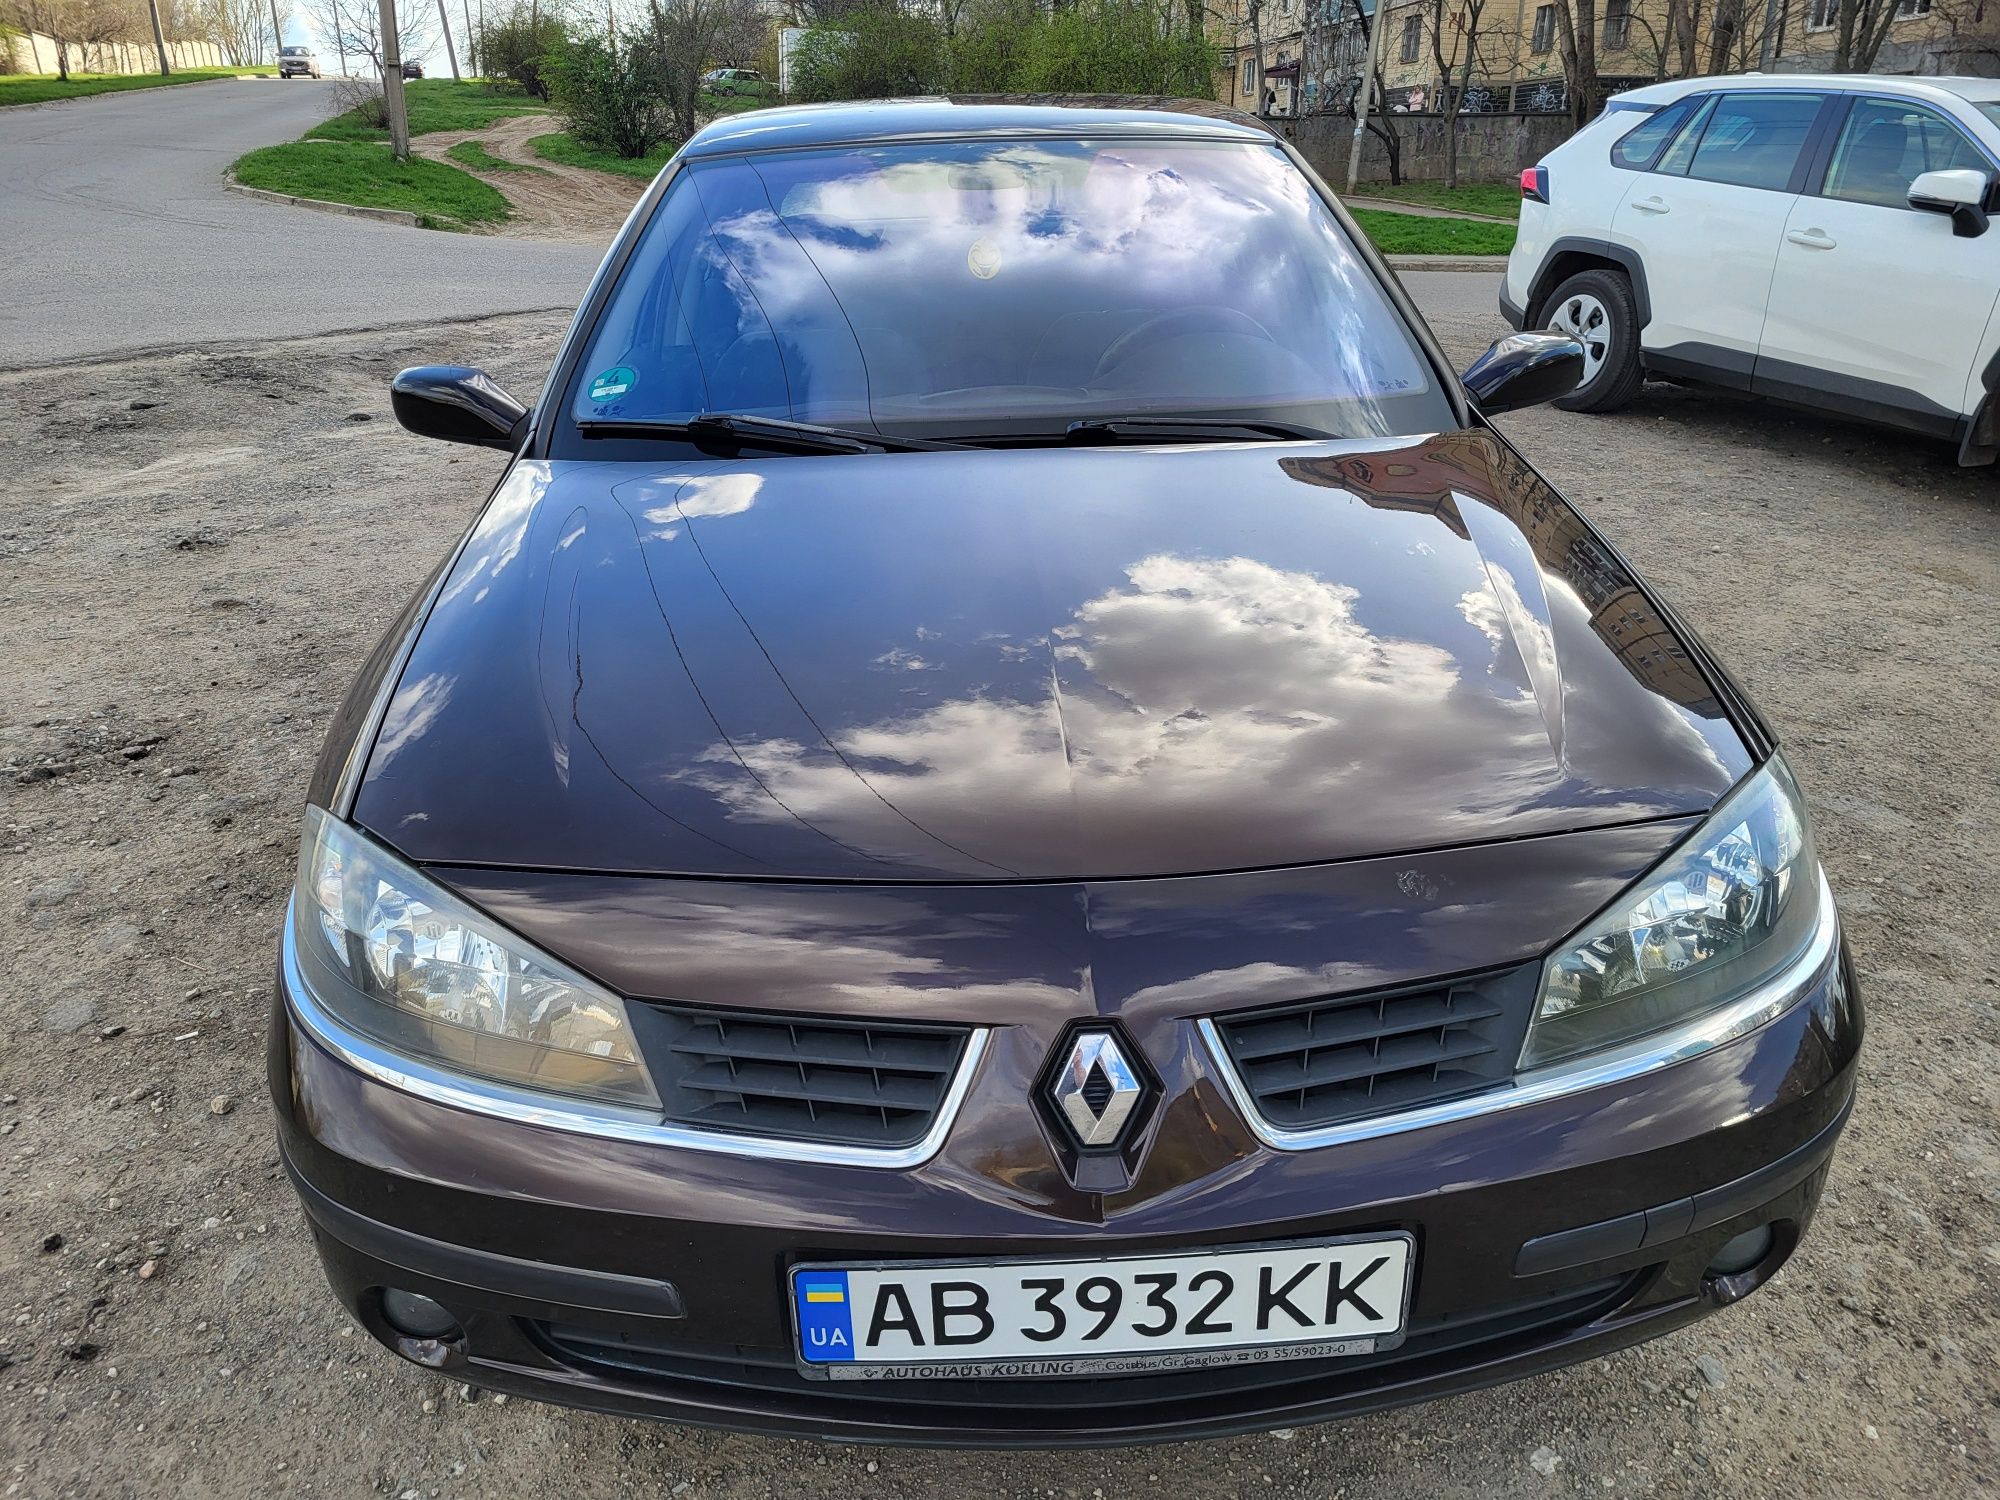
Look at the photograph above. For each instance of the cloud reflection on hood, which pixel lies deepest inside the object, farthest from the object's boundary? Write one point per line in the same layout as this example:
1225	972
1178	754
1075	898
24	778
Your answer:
1201	695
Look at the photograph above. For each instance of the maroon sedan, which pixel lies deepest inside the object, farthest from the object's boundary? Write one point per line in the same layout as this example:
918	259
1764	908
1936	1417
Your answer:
1017	825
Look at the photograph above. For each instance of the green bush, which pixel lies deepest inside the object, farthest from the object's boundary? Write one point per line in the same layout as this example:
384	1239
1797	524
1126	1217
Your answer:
871	54
992	44
1113	47
612	96
518	44
1008	47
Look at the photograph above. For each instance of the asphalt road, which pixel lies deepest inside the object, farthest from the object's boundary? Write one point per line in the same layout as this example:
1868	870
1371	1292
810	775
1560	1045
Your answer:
1462	307
116	234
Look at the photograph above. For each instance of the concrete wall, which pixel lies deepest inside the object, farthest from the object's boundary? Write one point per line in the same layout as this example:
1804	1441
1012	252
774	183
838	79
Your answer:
31	52
1491	148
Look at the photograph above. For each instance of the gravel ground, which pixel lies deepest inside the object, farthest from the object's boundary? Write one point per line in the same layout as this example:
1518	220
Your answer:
196	550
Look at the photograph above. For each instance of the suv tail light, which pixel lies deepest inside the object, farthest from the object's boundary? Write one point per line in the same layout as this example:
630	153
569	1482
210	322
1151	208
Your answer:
1535	184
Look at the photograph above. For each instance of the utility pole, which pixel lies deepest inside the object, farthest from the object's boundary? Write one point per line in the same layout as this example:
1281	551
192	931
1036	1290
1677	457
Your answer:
277	31
392	83
1364	100
159	38
472	40
450	52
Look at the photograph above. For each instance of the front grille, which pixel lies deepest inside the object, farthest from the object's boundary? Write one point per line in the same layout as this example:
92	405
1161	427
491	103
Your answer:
769	1379
848	1083
1348	1057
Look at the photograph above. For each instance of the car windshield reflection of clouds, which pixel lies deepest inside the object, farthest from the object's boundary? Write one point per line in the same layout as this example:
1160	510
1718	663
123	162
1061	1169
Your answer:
1004	287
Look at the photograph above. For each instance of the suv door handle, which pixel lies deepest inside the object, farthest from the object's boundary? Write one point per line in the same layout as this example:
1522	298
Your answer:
1812	239
1653	205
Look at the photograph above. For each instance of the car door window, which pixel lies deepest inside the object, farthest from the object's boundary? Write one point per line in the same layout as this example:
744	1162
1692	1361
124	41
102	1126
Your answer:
1887	144
1754	140
1674	160
1639	145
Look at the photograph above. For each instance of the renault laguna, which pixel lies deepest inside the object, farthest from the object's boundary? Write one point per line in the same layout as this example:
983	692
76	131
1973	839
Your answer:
1016	824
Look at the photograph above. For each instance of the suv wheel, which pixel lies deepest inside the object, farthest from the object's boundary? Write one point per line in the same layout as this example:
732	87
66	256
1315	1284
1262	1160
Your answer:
1596	309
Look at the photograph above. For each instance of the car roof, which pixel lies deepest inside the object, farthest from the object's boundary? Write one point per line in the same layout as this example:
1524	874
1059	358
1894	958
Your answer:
962	118
1934	89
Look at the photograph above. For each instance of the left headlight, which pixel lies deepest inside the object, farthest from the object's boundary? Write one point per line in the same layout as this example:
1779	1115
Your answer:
1736	904
398	958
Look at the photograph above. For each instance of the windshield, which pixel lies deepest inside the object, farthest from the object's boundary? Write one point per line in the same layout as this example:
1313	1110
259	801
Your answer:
1989	108
1003	288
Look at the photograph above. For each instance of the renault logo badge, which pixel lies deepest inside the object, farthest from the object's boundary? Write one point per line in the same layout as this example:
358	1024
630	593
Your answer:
1096	1089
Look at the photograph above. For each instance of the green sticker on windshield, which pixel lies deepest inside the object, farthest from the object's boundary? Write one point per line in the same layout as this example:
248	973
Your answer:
613	383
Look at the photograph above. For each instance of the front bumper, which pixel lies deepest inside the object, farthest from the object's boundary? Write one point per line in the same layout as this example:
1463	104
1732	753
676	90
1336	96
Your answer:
639	1279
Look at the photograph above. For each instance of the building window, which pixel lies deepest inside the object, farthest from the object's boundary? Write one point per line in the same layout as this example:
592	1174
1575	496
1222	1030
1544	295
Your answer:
1822	15
1545	29
1618	24
1413	37
1249	88
1908	9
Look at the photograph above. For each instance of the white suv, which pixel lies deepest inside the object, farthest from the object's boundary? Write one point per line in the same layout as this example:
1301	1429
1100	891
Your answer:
1820	240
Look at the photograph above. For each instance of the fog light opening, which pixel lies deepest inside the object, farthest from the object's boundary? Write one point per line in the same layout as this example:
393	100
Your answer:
1748	1261
1743	1252
417	1316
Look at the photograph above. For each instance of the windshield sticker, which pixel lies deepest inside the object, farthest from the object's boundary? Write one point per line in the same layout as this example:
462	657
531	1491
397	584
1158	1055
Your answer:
613	383
982	256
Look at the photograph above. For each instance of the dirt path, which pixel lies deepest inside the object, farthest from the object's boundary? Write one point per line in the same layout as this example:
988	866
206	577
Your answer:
553	202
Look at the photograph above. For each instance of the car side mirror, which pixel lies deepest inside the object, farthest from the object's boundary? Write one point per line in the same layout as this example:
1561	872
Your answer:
459	404
1961	192
1524	369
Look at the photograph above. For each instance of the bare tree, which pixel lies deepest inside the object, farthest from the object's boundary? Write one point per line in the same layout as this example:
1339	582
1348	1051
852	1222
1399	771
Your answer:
1576	26
693	35
1458	29
1860	29
355	29
239	28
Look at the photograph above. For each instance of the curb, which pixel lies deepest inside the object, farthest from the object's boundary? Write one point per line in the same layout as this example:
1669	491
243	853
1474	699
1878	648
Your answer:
1492	263
352	210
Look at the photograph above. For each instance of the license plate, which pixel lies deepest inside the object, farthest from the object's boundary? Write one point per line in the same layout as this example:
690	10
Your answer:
932	1320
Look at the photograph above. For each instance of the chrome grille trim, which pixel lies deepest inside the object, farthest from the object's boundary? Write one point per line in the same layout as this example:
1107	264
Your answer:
550	1111
1755	1008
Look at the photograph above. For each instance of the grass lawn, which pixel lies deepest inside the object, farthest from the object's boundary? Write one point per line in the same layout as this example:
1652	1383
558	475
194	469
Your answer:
1410	234
1500	199
567	149
472	154
362	173
437	104
40	88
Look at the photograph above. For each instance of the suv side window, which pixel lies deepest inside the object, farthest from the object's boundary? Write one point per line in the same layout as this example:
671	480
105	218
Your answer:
1639	145
1676	157
1754	140
1887	144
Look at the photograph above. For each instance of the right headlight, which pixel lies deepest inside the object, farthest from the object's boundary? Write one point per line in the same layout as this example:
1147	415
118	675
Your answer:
389	953
1734	905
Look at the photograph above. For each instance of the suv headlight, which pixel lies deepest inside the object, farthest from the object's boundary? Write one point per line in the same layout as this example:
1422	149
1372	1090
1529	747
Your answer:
401	960
1735	904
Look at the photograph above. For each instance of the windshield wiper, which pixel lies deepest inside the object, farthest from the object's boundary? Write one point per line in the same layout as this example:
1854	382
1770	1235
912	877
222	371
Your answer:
776	433
1191	429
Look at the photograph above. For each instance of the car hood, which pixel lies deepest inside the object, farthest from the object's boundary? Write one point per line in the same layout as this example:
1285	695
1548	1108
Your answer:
1049	664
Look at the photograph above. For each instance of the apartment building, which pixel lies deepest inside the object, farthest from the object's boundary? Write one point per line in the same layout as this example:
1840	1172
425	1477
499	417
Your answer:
1314	50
